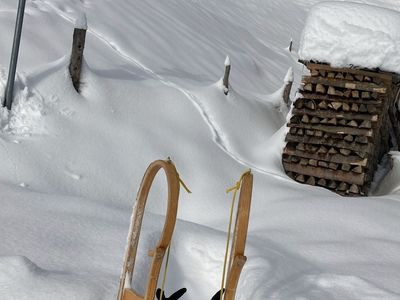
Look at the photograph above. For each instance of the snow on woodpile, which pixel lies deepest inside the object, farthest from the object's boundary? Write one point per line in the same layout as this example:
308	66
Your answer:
345	34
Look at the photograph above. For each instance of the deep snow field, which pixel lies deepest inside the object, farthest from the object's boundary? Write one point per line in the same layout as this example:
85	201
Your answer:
71	164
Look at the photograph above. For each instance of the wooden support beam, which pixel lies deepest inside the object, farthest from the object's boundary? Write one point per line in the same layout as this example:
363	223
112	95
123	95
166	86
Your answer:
75	65
348	177
336	158
340	83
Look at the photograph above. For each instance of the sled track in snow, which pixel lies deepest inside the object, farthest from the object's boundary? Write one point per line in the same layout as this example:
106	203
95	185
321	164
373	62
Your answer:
218	135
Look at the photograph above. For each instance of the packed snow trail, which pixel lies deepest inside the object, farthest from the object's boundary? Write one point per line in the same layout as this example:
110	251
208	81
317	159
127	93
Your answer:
218	135
65	214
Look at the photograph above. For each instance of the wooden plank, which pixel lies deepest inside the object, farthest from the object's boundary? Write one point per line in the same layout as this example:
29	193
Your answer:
384	76
347	177
341	83
336	158
75	65
336	129
362	148
330	98
338	115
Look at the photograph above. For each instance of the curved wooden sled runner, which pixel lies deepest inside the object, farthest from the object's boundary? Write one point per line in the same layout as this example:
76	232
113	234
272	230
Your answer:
237	258
158	253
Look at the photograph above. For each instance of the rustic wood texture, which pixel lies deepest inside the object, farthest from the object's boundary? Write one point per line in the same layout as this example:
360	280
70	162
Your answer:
136	225
75	66
343	122
237	257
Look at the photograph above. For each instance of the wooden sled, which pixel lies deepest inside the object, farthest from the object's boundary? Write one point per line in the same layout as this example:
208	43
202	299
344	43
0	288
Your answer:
237	258
126	293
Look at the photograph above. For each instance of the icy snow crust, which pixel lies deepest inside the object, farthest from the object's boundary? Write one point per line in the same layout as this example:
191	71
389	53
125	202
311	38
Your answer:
352	34
151	88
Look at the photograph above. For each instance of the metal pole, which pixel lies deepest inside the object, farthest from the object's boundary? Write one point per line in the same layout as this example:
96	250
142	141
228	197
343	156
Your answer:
14	55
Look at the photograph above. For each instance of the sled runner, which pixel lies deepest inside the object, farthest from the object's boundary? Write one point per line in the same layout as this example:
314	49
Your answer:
173	182
237	259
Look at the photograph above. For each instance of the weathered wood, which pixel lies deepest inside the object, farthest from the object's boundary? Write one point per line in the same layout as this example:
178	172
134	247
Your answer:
346	167
343	186
345	106
333	166
305	119
331	82
357	169
286	92
314	120
320	89
331	90
308	87
331	75
323	164
335	105
345	152
300	178
330	98
322	182
334	114
227	72
362	148
336	129
352	123
311	104
366	124
332	184
354	189
323	105
326	173
353	71
299	103
75	65
365	95
349	138
311	180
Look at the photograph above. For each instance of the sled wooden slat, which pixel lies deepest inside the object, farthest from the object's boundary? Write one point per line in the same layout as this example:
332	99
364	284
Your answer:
136	225
237	258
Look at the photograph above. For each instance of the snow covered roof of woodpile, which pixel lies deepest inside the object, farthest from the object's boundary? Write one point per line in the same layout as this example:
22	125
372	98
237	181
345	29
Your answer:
345	34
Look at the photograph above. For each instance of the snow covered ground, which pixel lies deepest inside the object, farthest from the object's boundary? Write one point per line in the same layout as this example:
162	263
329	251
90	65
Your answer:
151	88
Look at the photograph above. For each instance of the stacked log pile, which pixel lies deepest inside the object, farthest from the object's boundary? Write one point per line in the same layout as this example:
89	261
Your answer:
342	123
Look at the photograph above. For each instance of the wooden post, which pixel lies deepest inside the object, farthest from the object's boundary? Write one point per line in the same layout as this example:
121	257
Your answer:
288	86
291	45
226	75
78	45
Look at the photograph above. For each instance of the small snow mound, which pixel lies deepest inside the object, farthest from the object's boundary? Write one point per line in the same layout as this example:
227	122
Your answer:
332	286
26	115
81	21
227	61
17	267
346	34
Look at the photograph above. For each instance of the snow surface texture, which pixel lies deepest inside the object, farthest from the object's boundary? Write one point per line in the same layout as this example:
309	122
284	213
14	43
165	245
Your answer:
352	34
151	88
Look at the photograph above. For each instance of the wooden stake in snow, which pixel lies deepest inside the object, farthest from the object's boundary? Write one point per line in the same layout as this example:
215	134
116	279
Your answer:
226	75
291	45
288	86
78	45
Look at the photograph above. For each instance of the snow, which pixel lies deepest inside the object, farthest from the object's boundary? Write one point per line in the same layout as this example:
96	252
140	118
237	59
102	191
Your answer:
227	61
72	163
352	34
81	21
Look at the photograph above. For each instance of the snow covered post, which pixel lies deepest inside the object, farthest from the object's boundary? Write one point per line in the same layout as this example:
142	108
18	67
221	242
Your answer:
78	45
288	86
14	55
226	75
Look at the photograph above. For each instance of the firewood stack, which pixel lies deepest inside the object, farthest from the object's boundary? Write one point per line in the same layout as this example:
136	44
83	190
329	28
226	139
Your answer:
342	123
